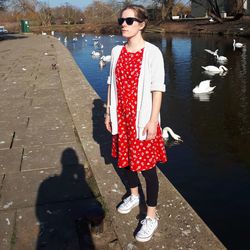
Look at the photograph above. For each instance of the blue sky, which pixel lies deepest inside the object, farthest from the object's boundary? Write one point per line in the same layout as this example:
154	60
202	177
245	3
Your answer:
78	3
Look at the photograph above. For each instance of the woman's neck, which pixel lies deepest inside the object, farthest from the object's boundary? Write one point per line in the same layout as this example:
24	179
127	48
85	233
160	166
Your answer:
135	43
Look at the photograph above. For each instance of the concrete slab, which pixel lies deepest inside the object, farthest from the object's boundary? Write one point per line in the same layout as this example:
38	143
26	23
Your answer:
5	139
54	226
7	226
10	160
50	156
44	186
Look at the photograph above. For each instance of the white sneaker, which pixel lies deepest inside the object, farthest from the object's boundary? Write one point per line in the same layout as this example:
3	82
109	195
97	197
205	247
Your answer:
128	204
146	232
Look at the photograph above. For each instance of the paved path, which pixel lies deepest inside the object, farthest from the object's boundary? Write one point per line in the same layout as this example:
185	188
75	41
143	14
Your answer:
52	140
47	192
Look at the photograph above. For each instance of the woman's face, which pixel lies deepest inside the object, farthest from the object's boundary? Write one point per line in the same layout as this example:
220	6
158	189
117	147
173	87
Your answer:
129	31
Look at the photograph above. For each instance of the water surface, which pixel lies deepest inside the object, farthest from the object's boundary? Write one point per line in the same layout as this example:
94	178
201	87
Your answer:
211	169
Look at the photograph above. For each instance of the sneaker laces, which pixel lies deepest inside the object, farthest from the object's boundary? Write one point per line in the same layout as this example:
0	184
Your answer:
148	222
128	199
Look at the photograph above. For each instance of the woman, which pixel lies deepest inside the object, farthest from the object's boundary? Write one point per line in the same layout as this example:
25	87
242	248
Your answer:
135	87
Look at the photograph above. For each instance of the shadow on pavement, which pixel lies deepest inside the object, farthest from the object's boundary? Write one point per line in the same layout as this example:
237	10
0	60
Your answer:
66	208
11	36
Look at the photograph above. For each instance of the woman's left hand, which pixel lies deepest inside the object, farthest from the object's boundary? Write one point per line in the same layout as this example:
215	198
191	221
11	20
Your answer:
151	130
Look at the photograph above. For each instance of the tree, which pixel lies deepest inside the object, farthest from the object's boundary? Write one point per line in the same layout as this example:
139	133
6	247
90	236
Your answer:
24	6
45	14
166	8
3	5
99	12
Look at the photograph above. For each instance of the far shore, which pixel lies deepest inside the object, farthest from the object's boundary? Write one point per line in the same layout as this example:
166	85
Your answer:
184	26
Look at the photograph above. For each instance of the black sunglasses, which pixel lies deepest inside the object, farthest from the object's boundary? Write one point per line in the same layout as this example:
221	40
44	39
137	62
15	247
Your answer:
129	20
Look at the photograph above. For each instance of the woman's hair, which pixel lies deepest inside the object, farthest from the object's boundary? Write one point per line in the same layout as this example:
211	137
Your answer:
140	13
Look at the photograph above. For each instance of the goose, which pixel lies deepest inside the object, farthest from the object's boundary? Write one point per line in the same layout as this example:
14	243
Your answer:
214	53
237	45
215	69
203	87
165	134
106	58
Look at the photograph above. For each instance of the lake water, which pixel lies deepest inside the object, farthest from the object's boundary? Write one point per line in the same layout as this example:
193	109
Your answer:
211	168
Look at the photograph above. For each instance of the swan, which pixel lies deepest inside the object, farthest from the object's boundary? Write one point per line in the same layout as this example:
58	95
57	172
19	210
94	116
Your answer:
215	69
221	58
59	38
44	33
95	53
203	87
165	134
214	53
102	64
75	39
65	39
237	45
106	58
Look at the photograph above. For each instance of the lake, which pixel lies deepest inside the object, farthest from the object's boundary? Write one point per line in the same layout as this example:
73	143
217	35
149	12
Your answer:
211	168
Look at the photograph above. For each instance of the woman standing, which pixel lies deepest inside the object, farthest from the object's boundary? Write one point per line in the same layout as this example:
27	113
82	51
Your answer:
135	87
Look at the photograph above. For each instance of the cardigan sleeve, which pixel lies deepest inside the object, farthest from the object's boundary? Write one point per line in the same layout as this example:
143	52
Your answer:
157	71
111	65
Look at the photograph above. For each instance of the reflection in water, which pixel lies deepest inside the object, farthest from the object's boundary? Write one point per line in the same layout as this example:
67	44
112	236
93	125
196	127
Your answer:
204	97
211	168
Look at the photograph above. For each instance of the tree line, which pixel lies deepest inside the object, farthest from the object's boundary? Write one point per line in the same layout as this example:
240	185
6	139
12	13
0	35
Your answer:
40	13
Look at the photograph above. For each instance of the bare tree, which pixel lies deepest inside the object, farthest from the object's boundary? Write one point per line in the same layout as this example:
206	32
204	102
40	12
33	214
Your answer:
45	14
24	6
166	8
99	12
3	4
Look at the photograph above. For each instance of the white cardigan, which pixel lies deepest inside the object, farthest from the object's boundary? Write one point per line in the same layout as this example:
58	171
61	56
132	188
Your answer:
152	78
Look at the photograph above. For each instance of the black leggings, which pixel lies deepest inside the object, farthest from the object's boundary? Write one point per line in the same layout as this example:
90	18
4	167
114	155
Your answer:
152	184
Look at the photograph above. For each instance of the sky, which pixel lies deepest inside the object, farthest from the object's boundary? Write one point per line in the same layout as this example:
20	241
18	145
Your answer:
77	3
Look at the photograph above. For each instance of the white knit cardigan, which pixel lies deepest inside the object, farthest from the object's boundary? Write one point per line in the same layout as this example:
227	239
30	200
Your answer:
152	78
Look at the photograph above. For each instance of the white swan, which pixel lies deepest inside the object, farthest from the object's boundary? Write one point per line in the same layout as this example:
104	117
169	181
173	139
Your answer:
221	58
215	69
214	53
106	58
75	39
203	87
102	64
65	39
237	45
165	134
96	53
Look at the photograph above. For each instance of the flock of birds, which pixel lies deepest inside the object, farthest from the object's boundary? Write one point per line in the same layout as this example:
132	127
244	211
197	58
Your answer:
204	87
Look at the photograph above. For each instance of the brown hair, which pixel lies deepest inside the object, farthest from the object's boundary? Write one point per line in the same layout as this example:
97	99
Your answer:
140	12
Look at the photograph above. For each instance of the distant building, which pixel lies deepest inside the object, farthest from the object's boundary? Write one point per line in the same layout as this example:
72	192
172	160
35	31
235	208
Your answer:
227	7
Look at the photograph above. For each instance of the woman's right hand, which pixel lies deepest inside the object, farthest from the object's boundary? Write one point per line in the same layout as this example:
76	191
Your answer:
108	123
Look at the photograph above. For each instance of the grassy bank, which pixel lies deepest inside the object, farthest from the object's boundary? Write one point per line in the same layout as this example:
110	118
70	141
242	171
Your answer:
228	27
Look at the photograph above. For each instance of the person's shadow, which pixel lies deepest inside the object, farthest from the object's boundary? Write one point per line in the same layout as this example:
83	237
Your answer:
67	209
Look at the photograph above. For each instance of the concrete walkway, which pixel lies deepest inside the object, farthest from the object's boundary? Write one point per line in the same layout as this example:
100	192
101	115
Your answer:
48	195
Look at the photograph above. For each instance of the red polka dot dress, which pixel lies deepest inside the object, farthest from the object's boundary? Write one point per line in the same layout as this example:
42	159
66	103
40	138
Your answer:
139	155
